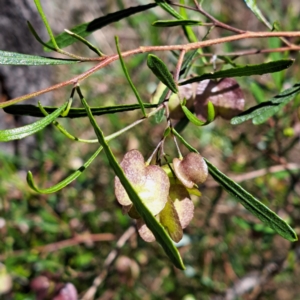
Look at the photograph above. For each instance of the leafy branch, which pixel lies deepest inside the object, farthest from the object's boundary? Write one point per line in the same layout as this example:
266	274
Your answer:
107	60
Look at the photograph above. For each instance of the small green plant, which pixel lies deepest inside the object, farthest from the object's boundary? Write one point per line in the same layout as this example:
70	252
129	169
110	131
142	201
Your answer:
157	192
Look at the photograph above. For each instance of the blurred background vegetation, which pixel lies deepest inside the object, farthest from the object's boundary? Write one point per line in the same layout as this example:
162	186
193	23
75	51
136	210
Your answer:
229	254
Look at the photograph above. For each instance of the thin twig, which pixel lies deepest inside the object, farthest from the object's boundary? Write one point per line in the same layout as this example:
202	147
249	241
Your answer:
78	239
178	66
216	22
153	153
90	294
144	49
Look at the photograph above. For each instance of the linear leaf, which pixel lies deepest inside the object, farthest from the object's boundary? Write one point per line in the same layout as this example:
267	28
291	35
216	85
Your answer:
64	182
137	95
63	40
85	42
34	111
248	70
252	204
253	7
161	71
157	229
45	21
164	5
193	119
172	23
189	33
21	132
187	62
211	113
261	112
19	59
36	36
63	130
160	115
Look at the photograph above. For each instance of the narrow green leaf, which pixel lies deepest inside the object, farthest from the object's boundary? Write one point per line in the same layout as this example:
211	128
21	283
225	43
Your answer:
21	132
137	95
211	114
229	60
253	7
158	230
62	129
187	62
252	204
261	112
64	182
43	16
63	40
19	59
248	70
172	23
85	42
164	5
160	115
278	78
193	119
35	34
161	71
189	33
34	111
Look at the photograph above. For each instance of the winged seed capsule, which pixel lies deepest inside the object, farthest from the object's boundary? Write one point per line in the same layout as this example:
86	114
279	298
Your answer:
191	170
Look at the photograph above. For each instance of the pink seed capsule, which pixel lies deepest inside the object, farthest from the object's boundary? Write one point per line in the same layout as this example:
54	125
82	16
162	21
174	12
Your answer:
191	170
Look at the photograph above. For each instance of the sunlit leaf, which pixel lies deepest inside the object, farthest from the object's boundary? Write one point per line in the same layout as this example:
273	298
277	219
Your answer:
46	23
211	114
85	42
253	205
19	59
196	121
164	5
24	131
193	119
137	95
162	72
64	182
261	112
257	12
248	70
